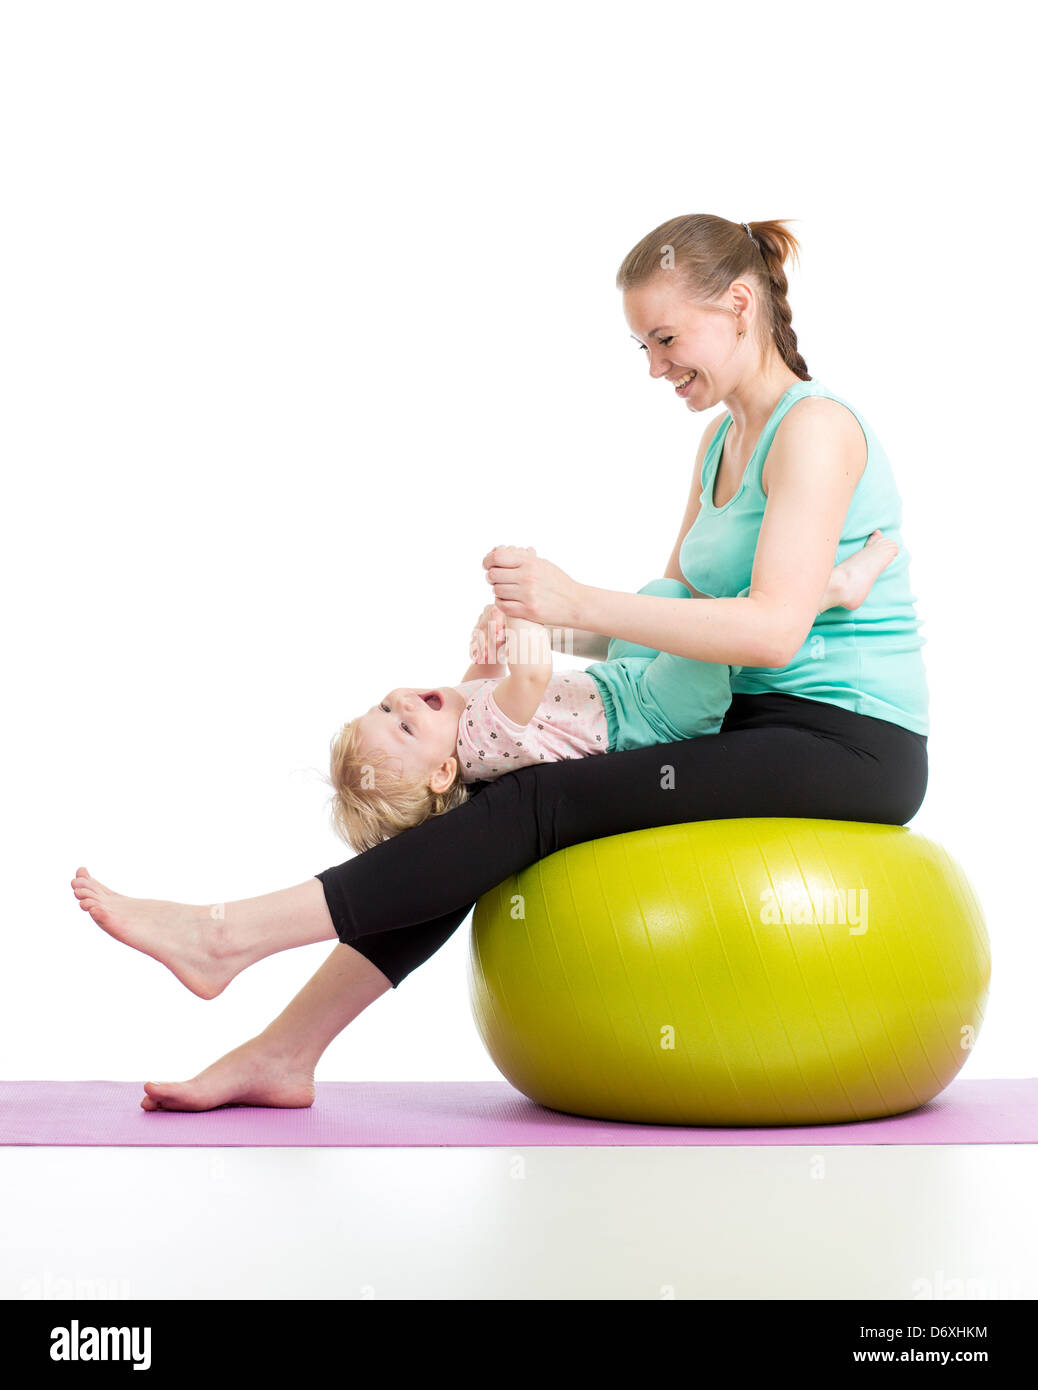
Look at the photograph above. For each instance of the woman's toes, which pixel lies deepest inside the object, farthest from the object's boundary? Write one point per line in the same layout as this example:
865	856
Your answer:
98	913
174	1095
87	881
156	1092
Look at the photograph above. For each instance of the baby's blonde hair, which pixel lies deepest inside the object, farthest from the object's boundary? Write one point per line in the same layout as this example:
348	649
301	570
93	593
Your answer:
373	803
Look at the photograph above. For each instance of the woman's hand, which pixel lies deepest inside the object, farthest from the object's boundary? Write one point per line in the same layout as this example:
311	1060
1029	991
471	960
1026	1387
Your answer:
526	586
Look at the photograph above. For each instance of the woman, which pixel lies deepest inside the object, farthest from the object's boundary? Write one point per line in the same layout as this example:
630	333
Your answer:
828	716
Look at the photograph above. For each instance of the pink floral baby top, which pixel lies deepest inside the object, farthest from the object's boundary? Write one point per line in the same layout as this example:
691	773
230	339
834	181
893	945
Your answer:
570	722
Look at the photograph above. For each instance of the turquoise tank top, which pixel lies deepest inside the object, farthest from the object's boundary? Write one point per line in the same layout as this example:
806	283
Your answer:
867	659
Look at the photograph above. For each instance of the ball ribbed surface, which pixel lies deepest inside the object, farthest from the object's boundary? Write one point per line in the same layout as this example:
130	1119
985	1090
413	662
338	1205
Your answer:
733	972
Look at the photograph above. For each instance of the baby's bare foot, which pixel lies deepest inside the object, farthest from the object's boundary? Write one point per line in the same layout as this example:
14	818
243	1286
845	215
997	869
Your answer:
191	941
256	1073
854	578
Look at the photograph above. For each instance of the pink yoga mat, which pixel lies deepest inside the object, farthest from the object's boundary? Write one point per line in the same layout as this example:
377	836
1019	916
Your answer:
467	1114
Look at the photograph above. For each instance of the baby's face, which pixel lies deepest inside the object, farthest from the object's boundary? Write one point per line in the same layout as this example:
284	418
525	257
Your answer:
417	728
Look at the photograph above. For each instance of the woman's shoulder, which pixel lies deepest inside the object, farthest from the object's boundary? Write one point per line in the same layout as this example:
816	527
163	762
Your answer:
815	430
817	403
822	415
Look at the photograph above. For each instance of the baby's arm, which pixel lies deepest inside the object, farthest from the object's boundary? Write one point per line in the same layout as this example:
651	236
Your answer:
528	650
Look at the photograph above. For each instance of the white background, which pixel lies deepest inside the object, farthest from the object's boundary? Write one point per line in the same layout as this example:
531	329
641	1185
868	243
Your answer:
305	306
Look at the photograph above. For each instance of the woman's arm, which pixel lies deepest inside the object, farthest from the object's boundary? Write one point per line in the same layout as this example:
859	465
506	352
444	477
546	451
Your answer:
815	462
578	642
814	466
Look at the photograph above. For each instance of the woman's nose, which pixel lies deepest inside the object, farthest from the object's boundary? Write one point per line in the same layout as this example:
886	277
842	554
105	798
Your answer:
658	367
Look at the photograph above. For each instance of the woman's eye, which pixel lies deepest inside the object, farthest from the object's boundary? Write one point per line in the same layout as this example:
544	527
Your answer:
664	342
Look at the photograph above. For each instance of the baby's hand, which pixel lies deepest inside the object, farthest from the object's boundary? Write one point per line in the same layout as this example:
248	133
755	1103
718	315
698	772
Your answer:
487	636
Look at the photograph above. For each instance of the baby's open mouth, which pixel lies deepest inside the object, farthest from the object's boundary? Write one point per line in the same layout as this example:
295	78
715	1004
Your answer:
433	700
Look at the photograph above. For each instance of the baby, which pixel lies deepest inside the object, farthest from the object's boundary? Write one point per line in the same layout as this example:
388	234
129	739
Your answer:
414	754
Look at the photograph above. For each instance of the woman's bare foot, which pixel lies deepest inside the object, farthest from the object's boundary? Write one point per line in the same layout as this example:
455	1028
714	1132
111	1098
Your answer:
254	1073
257	1073
854	577
193	942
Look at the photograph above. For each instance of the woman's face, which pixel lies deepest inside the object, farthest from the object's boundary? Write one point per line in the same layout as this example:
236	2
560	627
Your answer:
681	338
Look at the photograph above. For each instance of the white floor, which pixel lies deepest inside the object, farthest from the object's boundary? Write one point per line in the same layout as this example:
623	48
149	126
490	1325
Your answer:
539	1223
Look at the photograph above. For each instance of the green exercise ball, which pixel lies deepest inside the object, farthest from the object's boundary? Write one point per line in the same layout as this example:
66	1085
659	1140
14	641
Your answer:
758	971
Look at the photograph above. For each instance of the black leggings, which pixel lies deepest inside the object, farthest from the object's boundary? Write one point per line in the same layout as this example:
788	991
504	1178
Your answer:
775	755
